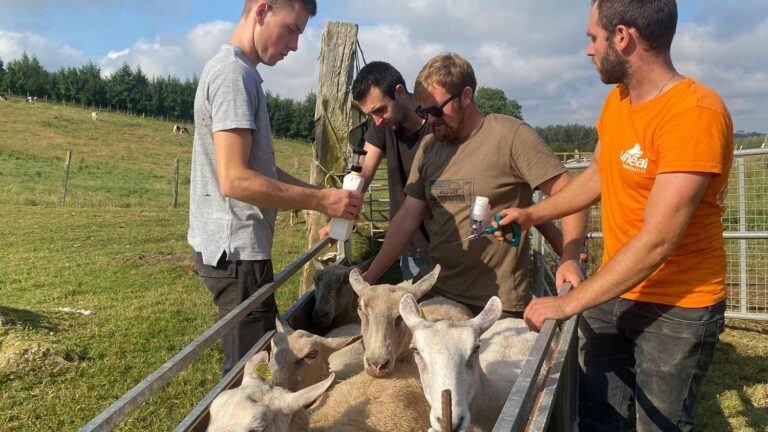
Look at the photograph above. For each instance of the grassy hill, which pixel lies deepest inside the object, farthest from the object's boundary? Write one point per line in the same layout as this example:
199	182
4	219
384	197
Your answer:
119	249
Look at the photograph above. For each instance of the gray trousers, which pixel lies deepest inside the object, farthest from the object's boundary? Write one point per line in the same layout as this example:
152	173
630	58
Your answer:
231	283
649	355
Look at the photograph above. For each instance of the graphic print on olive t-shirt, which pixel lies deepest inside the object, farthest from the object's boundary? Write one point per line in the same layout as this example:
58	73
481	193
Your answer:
457	191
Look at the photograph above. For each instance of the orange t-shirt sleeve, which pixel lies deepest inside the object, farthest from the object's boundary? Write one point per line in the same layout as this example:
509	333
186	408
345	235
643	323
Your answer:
692	141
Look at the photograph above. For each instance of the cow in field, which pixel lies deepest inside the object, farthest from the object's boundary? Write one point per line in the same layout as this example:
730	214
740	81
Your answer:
181	130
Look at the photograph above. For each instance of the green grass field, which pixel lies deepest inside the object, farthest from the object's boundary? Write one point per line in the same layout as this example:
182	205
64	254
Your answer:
119	249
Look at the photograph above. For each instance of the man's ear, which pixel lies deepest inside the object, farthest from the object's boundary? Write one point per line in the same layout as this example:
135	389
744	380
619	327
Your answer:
260	12
623	37
466	96
400	91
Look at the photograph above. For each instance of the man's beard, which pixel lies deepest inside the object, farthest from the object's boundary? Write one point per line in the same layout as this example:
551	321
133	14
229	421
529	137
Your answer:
449	134
614	68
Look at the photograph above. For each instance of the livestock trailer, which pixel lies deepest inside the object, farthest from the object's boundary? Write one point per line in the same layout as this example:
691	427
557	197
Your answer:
543	398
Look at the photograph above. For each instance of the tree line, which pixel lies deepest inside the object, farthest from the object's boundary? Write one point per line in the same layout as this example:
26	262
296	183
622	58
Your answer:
128	89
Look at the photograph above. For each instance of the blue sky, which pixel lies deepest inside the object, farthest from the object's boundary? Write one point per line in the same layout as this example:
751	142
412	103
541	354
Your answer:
531	49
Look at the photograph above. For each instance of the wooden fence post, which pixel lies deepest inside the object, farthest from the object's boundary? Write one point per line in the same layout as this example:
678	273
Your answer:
333	117
63	197
176	183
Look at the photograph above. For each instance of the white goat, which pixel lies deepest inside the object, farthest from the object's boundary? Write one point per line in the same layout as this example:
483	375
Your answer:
385	336
258	406
479	371
94	116
299	359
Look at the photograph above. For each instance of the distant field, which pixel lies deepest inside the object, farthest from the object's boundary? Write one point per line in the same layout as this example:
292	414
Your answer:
118	249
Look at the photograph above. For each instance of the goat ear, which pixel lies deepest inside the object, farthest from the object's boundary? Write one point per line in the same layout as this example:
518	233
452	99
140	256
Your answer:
409	310
249	373
485	319
282	327
337	343
358	284
307	396
424	285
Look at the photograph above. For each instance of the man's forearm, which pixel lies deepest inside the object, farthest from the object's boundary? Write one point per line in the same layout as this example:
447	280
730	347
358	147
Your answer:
401	228
291	180
578	195
574	229
259	190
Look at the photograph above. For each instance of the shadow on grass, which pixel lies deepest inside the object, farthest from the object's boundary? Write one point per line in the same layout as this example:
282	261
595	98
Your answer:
24	319
730	386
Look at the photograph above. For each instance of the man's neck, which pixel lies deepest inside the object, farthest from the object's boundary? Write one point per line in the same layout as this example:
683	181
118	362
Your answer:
243	39
473	118
650	79
412	123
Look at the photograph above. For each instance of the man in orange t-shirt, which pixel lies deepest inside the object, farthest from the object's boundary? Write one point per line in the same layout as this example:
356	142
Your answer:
654	311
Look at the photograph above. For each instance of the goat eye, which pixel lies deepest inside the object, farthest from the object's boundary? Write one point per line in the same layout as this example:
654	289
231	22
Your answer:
415	351
311	355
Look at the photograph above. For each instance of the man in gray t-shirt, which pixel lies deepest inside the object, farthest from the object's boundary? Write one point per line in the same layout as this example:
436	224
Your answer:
235	185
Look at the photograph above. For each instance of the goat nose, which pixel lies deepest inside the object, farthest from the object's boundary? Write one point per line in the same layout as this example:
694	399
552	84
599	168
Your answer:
379	364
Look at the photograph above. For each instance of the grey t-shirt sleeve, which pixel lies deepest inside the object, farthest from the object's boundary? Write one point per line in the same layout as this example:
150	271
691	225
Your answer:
234	97
534	160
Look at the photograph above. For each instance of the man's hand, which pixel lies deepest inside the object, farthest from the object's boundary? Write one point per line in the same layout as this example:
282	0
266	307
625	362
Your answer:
569	271
542	309
341	203
324	232
520	216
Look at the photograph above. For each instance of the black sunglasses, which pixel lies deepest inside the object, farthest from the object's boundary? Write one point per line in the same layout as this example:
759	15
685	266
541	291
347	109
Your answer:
435	111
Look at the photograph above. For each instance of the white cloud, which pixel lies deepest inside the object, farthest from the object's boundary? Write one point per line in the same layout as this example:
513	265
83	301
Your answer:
51	56
533	50
182	57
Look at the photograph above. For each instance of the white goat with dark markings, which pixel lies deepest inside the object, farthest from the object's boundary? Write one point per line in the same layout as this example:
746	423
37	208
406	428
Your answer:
477	360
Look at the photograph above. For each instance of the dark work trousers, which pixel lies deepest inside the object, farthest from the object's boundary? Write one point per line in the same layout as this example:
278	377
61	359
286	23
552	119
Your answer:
651	355
231	283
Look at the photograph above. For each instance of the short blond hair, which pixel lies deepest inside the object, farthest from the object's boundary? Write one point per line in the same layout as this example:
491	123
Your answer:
449	71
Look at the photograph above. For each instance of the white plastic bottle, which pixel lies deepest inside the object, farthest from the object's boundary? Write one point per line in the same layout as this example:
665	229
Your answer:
479	213
341	229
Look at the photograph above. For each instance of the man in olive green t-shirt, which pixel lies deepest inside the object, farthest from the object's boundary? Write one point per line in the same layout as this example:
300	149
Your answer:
471	154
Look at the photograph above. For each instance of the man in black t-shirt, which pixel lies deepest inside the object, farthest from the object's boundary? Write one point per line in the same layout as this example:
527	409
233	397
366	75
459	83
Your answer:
396	131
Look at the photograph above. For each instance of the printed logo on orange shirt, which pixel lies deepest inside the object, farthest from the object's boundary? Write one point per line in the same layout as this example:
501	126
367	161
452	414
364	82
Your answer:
633	160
